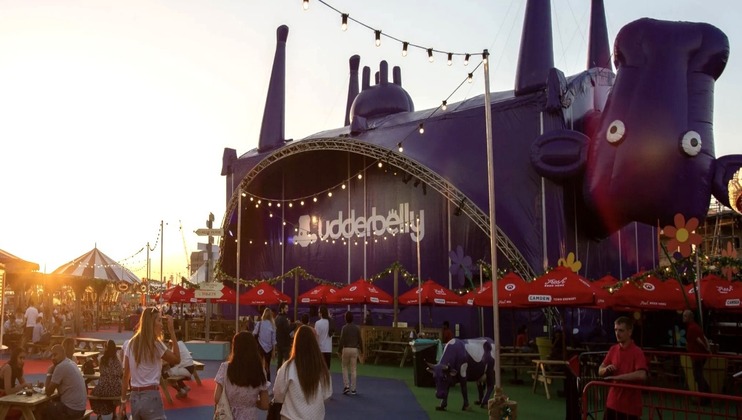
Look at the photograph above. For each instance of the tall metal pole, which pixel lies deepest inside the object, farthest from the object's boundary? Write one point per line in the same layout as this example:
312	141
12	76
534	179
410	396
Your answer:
419	281
209	309
493	226
239	246
162	253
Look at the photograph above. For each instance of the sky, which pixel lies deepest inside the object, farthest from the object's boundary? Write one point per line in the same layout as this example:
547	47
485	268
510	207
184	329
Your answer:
114	115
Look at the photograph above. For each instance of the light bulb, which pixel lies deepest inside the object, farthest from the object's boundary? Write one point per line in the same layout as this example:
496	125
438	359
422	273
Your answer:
380	164
444	105
466	59
378	37
329	194
421	128
301	202
314	199
399	147
305	4
450	58
470	78
360	176
342	186
404	48
430	55
344	25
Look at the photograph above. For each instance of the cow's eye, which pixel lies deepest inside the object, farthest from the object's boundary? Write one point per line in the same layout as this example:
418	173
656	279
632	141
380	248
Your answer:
691	143
615	131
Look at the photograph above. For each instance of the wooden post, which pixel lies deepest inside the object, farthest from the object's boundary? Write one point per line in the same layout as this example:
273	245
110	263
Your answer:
396	291
296	295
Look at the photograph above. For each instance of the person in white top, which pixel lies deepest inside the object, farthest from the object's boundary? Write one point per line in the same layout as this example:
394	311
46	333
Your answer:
324	337
143	357
31	314
303	383
184	368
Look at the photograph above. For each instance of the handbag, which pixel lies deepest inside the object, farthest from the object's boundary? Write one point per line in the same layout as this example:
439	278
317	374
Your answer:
223	411
274	411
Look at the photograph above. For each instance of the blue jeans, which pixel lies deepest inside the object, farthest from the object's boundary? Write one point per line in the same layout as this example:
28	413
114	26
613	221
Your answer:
147	405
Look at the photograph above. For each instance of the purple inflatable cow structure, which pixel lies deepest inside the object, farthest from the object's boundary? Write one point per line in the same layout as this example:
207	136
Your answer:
463	361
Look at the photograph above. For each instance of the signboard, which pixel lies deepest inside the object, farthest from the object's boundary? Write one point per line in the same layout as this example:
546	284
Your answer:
209	232
208	294
212	285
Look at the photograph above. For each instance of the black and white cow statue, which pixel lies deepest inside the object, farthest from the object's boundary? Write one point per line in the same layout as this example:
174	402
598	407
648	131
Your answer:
465	361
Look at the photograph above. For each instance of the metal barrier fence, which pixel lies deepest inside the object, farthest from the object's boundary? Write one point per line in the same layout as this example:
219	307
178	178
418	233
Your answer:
664	403
674	370
671	381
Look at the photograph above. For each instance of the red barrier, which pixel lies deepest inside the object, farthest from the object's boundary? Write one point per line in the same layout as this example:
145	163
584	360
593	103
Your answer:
664	403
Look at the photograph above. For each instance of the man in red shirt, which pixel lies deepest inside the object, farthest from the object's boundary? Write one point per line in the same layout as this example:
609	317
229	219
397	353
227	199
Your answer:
696	342
625	362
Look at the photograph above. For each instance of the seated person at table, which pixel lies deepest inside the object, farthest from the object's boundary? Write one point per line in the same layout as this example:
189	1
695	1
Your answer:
557	346
40	334
11	375
522	344
65	378
184	368
11	326
68	344
109	384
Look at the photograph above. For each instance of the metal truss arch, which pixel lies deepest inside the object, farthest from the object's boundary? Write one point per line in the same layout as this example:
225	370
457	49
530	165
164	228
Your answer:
399	160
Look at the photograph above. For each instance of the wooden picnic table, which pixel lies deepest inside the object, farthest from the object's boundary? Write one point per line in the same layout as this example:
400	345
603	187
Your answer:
516	361
393	348
25	403
90	343
81	356
545	375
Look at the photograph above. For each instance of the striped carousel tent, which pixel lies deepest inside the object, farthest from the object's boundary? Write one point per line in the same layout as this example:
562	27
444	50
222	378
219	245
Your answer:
94	269
97	265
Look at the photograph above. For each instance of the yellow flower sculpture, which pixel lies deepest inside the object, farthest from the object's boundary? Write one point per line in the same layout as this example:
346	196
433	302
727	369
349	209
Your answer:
570	262
730	252
682	235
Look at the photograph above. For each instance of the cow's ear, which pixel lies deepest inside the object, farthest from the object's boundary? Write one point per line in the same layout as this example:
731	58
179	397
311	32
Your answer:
453	372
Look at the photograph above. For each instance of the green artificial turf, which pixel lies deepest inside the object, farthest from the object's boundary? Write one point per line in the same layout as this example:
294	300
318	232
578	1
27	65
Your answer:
530	405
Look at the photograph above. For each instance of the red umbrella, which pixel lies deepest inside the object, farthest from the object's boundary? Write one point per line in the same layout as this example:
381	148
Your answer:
512	292
361	291
560	287
430	294
178	294
718	293
651	293
263	294
603	297
318	295
228	296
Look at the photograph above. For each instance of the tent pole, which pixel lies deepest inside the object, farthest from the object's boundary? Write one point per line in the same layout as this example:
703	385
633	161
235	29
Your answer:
239	245
493	226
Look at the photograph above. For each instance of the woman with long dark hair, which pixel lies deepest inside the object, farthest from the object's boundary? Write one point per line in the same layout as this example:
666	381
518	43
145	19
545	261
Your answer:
303	382
11	378
109	384
143	356
243	379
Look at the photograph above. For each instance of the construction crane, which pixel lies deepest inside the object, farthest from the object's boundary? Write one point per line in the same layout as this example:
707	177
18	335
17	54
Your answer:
185	249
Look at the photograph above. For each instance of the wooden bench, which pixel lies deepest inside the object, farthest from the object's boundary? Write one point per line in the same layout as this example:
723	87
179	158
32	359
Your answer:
196	367
87	414
172	379
116	399
545	376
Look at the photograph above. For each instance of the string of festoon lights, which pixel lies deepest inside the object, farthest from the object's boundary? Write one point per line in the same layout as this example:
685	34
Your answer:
406	45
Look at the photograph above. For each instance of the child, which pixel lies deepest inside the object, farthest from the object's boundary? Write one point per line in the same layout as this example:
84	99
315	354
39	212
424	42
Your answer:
184	368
